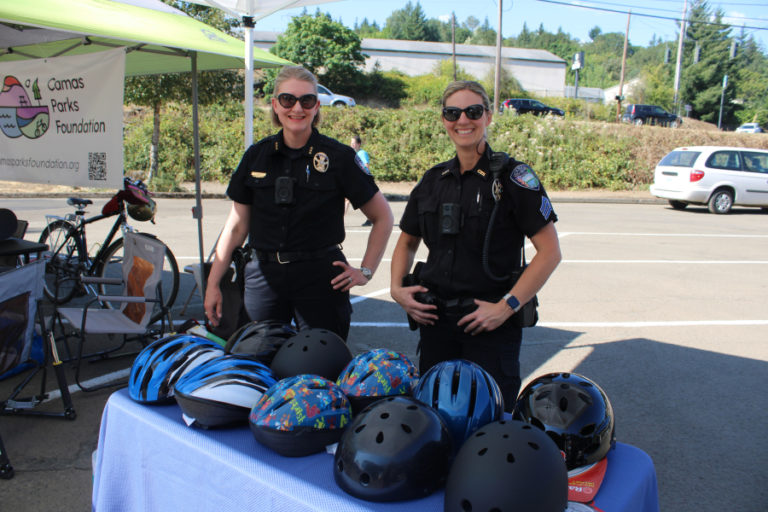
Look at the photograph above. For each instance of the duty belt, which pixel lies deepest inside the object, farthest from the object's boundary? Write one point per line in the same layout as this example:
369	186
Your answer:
284	257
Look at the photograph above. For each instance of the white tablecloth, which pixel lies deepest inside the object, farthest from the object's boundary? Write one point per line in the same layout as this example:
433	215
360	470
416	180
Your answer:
149	460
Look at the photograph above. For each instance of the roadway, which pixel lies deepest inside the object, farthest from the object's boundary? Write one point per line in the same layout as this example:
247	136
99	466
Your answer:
664	309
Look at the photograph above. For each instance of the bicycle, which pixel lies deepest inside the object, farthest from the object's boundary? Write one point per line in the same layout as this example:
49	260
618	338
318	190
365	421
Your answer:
67	257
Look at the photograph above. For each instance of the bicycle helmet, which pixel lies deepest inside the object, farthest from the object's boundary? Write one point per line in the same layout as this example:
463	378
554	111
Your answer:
464	395
377	374
142	212
395	449
259	339
300	415
507	466
223	390
574	411
314	351
159	365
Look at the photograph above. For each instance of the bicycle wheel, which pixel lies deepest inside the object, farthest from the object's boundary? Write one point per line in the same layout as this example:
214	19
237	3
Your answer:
64	260
113	267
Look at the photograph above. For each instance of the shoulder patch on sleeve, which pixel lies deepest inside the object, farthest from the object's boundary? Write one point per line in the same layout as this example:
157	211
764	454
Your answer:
523	176
361	165
546	207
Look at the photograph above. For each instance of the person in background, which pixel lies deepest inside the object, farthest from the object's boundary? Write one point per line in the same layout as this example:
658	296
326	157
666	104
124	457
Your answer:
288	197
464	300
365	159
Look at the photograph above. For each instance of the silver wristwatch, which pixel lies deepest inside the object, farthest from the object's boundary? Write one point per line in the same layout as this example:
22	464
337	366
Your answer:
367	273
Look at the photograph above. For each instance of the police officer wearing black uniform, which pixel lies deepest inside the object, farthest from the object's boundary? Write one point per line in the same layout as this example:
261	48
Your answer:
464	298
288	198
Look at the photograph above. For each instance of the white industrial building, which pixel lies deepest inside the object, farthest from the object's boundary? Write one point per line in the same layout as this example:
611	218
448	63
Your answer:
538	71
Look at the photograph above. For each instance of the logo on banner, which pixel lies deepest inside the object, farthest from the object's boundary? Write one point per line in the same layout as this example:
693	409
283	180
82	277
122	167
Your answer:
18	115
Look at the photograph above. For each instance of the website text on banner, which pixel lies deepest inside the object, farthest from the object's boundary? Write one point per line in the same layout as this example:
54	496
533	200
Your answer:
61	120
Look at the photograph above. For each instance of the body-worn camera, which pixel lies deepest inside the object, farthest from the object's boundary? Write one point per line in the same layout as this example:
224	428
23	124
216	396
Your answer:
450	219
284	190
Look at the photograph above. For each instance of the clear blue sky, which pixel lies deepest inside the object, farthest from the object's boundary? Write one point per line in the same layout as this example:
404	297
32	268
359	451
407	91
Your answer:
573	20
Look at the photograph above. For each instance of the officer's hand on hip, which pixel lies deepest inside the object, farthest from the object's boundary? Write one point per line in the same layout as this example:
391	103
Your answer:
349	277
424	314
487	317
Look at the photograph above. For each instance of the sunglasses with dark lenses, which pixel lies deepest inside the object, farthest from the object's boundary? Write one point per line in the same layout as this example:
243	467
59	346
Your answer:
306	101
474	112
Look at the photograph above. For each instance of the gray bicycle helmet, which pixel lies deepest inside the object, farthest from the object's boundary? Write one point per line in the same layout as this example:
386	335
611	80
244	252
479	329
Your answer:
261	339
312	351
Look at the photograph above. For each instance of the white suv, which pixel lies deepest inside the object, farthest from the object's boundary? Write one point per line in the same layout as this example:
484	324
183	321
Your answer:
718	176
326	97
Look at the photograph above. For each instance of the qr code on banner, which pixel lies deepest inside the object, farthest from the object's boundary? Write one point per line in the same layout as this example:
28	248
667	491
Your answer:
97	166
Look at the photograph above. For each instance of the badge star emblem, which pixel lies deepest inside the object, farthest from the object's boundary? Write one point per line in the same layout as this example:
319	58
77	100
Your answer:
320	162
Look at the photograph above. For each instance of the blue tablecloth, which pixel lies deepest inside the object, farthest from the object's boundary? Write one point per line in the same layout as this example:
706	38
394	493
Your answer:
149	460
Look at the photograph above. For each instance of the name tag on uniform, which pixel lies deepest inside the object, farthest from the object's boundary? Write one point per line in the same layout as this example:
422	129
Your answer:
258	174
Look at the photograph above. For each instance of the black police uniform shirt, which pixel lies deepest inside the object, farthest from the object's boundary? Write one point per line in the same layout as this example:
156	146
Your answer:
321	175
454	266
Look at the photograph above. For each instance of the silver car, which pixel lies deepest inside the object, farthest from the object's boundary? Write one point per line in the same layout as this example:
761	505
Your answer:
326	97
717	176
749	128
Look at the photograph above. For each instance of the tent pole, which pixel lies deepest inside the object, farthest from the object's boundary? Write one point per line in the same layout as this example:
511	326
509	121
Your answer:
197	211
248	24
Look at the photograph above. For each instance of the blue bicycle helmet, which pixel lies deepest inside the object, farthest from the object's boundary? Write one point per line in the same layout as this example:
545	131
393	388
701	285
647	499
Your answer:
464	395
396	449
574	411
377	374
159	365
300	415
260	339
507	466
312	351
223	390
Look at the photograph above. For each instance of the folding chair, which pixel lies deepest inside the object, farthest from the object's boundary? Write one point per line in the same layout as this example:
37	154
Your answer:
20	295
142	269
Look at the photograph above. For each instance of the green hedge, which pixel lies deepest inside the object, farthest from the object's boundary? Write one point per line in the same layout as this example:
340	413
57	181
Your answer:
570	153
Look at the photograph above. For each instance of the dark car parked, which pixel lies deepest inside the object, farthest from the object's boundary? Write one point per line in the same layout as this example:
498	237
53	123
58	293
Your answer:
524	106
650	114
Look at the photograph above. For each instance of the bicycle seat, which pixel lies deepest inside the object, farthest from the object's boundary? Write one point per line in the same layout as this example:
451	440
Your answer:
79	202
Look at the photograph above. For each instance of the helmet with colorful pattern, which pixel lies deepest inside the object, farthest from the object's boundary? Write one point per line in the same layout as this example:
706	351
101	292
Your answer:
464	395
377	374
261	339
159	365
574	411
313	351
222	391
300	415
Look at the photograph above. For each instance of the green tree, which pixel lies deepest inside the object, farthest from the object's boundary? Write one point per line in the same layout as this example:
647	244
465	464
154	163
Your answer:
484	35
155	90
409	23
323	46
367	30
701	82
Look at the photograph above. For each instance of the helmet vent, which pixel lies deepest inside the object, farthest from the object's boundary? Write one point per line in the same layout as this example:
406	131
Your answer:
585	398
466	506
482	451
533	445
472	398
481	433
505	436
380	437
407	429
455	380
305	348
510	458
360	428
384	415
365	479
563	404
587	429
410	407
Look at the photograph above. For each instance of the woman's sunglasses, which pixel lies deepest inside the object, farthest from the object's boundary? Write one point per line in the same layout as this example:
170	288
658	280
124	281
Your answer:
306	101
474	112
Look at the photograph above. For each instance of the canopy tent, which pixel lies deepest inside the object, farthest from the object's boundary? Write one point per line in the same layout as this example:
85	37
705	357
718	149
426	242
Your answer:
157	39
251	11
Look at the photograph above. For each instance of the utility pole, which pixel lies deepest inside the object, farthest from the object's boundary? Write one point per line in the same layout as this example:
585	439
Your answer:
453	41
678	66
497	81
722	97
623	65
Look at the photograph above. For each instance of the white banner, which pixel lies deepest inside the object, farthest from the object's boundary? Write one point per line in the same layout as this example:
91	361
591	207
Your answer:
61	120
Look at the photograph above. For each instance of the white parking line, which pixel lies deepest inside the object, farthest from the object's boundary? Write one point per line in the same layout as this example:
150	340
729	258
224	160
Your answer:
674	235
682	323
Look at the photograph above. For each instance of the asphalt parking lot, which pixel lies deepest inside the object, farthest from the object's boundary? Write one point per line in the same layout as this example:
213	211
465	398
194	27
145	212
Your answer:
664	309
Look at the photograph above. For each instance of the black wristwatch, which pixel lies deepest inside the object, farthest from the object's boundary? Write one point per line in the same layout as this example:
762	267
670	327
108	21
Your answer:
367	273
512	302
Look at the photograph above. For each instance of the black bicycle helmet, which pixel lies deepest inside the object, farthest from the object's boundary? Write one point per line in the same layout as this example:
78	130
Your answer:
377	374
507	466
159	365
395	449
313	351
222	391
464	395
142	212
300	415
260	339
574	411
